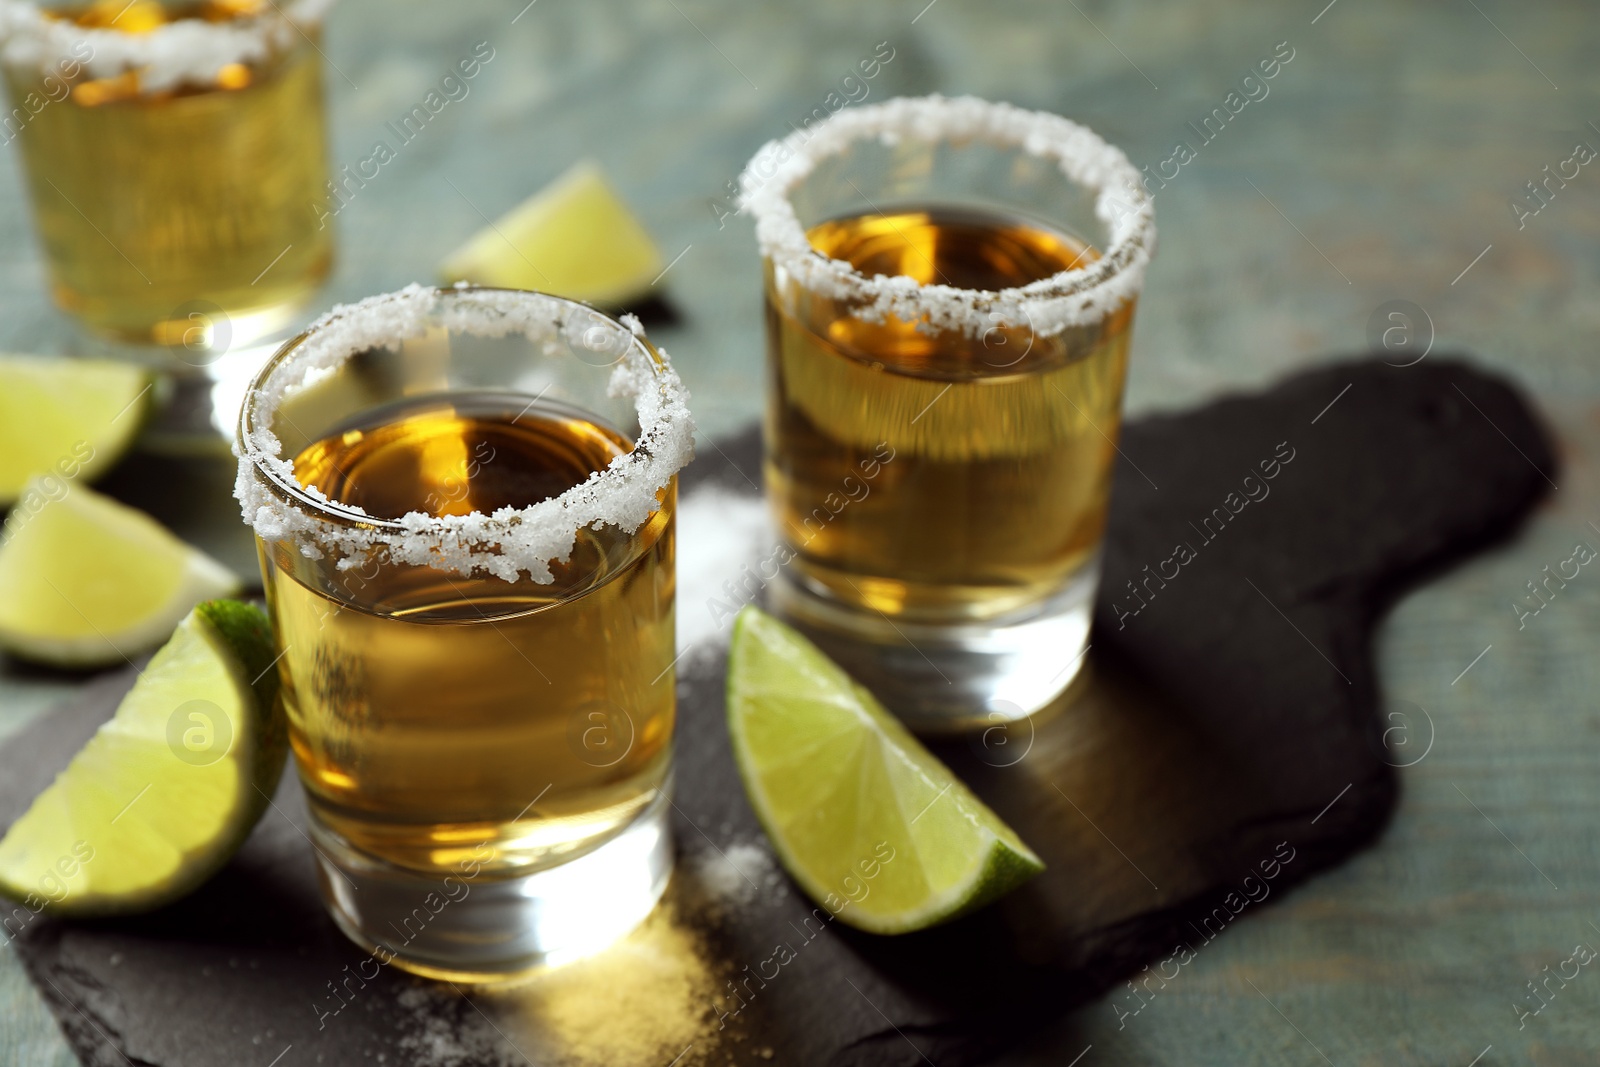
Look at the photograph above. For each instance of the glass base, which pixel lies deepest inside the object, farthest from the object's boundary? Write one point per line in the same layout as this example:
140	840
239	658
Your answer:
458	929
944	679
197	393
193	334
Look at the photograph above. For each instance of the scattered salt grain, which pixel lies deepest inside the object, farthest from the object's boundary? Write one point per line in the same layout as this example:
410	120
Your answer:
649	999
439	1031
739	874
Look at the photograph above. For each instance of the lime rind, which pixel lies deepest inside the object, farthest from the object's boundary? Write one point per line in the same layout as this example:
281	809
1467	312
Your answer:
137	820
247	633
835	780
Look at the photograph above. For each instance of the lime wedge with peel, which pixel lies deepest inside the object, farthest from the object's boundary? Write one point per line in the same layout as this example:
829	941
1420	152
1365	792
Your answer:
167	790
65	419
574	238
86	581
869	823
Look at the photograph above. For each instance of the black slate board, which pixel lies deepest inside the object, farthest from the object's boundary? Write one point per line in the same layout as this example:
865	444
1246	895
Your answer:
1225	746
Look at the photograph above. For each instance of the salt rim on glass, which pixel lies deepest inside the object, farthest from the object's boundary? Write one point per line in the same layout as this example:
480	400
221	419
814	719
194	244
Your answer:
1048	306
510	541
188	51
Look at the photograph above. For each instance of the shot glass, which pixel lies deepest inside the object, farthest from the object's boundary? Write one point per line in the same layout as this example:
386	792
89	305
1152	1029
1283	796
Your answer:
175	158
463	501
950	287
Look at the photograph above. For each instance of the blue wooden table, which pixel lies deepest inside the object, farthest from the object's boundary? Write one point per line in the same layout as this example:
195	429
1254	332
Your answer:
1384	161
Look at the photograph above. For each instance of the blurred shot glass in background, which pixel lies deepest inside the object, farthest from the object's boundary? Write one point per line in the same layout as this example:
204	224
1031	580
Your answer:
950	287
463	501
174	155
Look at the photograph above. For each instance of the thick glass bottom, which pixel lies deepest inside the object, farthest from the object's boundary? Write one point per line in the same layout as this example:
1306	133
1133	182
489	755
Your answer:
952	678
457	927
189	337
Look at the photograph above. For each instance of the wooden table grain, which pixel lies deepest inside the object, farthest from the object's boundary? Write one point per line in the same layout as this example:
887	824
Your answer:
1382	164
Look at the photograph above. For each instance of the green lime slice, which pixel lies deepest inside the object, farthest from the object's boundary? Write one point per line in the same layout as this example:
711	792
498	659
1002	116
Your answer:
869	823
65	418
166	790
86	581
574	238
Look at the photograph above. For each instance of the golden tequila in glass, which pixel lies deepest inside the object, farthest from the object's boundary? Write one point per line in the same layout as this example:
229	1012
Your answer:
998	448
173	198
551	689
467	706
950	287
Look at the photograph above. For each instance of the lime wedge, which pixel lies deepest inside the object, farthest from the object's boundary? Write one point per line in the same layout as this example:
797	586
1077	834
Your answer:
65	418
866	820
86	581
167	790
574	238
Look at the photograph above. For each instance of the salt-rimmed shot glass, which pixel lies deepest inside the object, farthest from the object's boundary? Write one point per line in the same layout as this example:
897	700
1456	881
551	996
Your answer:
463	501
175	157
950	286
